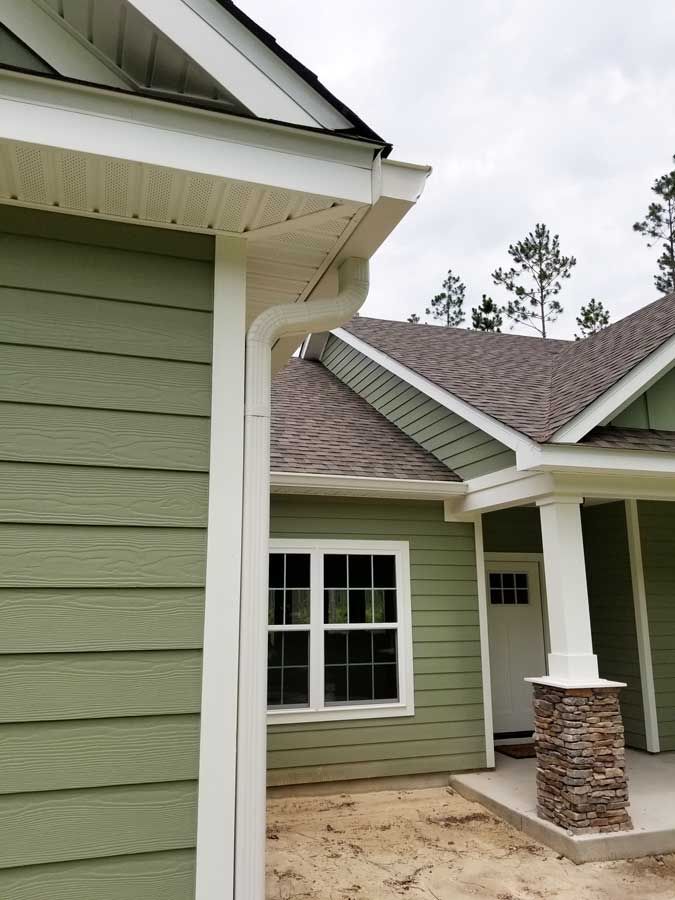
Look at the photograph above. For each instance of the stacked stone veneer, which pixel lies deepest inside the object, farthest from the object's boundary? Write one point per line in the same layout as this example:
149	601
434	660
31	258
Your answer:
581	771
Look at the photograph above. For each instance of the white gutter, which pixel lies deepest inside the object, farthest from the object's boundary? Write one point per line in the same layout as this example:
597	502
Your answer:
274	323
364	486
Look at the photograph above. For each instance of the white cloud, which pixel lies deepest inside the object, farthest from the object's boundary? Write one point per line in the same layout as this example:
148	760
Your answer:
559	112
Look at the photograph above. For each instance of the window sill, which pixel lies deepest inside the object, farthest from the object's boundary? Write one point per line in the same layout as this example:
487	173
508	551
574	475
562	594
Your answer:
339	713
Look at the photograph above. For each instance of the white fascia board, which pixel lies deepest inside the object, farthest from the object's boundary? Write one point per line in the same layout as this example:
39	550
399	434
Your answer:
620	395
198	37
358	486
497	430
585	458
262	57
75	117
55	44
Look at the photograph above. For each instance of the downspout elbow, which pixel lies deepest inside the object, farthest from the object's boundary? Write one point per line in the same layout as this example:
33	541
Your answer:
299	318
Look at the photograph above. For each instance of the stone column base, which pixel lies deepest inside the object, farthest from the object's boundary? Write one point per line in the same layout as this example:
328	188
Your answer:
581	769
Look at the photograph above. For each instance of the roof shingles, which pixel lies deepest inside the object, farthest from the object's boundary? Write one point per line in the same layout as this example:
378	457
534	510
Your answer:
534	386
320	426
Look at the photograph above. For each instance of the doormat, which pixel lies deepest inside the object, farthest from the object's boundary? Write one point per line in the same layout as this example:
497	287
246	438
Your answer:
517	751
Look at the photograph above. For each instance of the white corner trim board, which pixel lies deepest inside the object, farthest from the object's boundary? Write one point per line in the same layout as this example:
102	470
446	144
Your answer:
620	395
218	745
642	626
484	643
252	709
500	432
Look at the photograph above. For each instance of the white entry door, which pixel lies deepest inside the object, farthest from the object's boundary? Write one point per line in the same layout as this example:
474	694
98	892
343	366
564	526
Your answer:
516	628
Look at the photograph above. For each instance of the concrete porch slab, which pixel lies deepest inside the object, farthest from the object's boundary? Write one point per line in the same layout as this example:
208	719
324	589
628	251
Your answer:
509	791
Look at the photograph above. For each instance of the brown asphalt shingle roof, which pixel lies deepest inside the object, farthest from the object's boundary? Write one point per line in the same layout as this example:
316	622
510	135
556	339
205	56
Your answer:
631	439
532	385
320	426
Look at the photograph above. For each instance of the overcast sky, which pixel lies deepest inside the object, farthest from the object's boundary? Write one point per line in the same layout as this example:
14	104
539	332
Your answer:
560	111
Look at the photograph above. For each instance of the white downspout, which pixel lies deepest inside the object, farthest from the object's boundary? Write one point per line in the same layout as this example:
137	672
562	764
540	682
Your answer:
285	319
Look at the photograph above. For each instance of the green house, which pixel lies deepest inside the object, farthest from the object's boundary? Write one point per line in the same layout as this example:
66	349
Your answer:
223	566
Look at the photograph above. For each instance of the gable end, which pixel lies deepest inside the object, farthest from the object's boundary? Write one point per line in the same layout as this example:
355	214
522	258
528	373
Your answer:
654	409
455	442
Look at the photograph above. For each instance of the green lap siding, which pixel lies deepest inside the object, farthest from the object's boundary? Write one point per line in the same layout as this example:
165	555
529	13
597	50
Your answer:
657	531
458	444
514	530
447	731
104	439
610	592
653	409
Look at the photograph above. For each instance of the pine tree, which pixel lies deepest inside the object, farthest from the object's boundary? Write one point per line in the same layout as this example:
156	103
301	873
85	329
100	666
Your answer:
592	318
487	316
543	268
413	318
448	306
659	226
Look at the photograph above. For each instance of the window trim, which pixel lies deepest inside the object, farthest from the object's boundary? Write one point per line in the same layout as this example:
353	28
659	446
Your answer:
315	712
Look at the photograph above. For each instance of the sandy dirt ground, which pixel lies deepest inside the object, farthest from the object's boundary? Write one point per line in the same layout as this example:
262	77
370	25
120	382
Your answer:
432	845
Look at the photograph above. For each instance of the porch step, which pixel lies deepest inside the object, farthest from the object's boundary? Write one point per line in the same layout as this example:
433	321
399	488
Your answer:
509	792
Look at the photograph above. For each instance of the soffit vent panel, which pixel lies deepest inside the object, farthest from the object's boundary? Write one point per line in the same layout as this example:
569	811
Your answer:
283	266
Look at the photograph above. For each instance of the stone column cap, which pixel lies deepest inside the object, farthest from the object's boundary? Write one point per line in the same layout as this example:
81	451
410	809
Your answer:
594	683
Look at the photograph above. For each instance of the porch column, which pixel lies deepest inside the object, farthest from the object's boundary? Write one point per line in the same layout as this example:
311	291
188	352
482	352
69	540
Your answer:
571	658
579	737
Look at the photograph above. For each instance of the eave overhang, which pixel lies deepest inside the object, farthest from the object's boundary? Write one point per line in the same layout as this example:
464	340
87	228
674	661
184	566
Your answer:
298	196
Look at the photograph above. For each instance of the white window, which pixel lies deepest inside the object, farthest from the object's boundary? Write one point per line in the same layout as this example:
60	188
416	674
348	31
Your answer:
339	630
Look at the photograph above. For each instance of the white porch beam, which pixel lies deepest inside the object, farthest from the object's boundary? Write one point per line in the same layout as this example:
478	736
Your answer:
509	487
497	491
571	662
218	735
590	459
